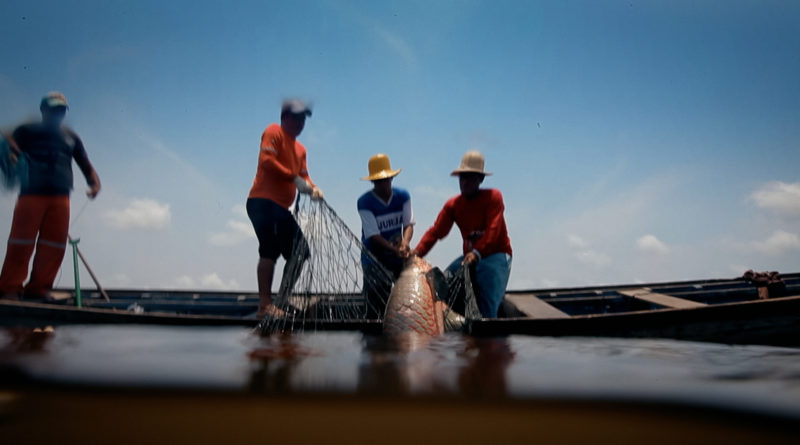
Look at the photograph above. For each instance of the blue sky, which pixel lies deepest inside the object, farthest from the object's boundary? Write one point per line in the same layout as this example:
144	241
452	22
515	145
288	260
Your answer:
633	141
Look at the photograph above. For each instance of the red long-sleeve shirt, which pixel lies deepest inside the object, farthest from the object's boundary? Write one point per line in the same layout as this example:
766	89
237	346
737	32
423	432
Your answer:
480	220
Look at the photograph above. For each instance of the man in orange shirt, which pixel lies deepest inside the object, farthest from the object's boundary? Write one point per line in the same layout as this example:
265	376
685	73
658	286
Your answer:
478	213
282	172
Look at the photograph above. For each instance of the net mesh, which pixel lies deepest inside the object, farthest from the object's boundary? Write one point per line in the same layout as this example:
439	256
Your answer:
331	281
324	280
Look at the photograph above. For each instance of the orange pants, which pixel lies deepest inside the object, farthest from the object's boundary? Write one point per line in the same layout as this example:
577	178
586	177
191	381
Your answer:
41	222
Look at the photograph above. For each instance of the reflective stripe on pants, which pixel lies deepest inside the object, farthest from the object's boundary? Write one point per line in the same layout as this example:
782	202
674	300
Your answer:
40	222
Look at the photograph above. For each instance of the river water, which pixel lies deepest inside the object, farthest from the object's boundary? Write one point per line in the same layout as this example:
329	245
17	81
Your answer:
751	378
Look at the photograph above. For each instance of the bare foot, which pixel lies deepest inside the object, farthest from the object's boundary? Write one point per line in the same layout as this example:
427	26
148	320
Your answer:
271	310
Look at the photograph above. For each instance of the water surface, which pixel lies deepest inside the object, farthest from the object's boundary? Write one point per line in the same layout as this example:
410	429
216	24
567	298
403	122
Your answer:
752	378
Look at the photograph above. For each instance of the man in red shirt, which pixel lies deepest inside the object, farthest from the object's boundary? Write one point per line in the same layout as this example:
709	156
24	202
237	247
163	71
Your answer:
478	213
282	171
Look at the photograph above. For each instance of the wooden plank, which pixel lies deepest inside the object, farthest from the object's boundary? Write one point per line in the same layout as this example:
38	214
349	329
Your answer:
661	299
533	307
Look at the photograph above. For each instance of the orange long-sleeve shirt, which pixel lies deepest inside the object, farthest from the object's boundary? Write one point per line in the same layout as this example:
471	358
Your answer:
280	159
480	220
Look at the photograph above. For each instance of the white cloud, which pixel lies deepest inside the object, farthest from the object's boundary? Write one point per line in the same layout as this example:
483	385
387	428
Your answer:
780	197
240	210
651	244
184	282
779	242
576	241
117	280
593	258
238	230
213	281
141	214
399	45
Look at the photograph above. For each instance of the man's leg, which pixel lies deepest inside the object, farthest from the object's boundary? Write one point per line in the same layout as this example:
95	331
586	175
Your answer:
265	272
295	251
258	210
28	215
492	274
50	247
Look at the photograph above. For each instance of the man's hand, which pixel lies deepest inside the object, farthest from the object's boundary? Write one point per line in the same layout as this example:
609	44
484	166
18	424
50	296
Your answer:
93	191
302	185
470	259
403	251
316	194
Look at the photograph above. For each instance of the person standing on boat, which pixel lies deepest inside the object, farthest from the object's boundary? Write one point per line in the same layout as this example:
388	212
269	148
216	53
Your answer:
41	215
387	225
282	172
478	213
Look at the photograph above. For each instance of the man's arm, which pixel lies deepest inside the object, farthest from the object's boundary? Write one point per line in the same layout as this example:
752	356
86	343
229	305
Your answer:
408	229
386	245
316	193
404	250
439	230
82	159
369	225
268	158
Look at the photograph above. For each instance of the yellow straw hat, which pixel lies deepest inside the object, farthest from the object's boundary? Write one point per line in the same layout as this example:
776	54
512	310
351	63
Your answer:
472	162
380	168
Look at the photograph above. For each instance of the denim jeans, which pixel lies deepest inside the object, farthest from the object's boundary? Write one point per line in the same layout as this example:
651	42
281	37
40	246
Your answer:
491	277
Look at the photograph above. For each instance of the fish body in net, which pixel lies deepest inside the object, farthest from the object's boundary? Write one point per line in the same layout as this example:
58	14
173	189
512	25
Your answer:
412	305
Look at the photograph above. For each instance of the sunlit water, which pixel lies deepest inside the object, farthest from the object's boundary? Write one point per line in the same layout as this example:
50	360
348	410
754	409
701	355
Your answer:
758	378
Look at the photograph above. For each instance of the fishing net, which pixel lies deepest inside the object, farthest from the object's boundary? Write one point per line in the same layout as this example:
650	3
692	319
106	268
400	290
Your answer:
13	165
331	278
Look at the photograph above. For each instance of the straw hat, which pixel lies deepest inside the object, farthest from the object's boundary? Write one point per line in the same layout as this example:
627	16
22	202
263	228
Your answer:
472	162
380	168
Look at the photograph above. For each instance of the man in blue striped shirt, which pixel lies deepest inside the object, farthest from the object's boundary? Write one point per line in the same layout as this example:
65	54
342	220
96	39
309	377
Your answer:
387	224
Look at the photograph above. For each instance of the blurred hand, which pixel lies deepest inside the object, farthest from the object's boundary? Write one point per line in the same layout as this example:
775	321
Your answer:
93	191
316	194
403	251
470	259
302	185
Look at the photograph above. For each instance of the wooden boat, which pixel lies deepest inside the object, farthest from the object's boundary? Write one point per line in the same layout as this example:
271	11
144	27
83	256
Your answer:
726	311
723	311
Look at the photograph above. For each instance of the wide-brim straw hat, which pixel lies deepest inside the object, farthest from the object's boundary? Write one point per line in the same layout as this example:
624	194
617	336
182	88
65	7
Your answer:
472	162
380	168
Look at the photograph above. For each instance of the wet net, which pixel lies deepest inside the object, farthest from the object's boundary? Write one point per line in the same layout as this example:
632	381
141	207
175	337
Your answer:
331	279
332	282
13	165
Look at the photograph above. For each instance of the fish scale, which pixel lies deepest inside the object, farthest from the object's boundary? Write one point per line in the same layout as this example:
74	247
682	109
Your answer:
411	305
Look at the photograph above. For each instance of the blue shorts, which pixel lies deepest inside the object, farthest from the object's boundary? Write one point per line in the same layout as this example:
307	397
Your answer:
276	229
491	277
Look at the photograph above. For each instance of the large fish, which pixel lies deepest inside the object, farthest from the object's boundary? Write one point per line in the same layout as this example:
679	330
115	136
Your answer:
413	305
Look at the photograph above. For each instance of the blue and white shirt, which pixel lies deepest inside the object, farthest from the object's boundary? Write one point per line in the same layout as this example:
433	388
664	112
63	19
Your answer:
387	219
